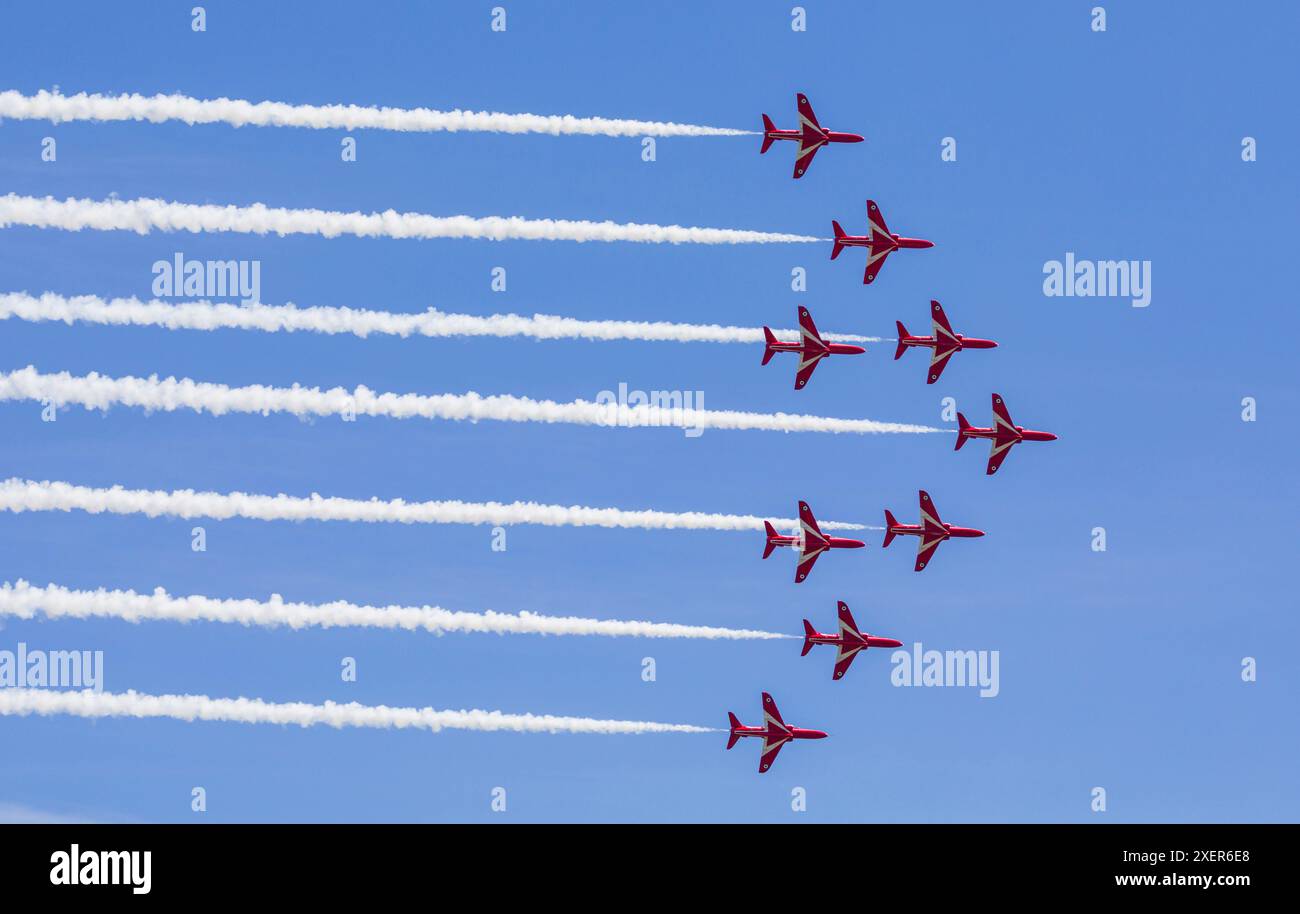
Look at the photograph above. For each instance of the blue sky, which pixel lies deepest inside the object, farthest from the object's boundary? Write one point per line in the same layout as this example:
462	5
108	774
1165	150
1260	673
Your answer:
1118	669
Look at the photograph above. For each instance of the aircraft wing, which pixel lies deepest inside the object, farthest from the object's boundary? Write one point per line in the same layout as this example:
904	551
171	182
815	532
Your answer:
999	453
938	360
771	713
844	658
1007	436
807	365
929	513
846	620
806	562
806	116
814	543
875	260
850	642
771	748
806	152
945	341
777	735
808	330
809	522
939	321
925	550
933	532
1001	418
875	219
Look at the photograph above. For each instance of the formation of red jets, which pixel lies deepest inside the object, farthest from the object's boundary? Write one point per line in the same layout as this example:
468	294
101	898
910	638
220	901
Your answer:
807	540
810	136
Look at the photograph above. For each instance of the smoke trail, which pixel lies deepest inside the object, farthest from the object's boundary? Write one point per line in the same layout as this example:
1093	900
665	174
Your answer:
24	601
205	315
44	702
146	215
96	391
55	107
20	495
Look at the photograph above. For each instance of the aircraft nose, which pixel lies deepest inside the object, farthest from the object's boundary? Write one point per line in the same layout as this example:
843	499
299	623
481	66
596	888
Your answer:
922	243
1048	436
886	642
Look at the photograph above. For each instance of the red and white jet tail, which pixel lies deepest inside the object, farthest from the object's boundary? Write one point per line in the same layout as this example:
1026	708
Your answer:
808	633
769	338
902	334
889	529
768	127
839	234
735	725
771	532
962	425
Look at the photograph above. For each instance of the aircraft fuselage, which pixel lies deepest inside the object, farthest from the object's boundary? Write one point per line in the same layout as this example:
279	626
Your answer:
827	348
994	434
949	530
963	342
850	641
832	542
828	136
776	733
878	241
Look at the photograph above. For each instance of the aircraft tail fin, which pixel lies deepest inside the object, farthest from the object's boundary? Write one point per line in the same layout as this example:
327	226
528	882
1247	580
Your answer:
962	425
902	334
808	632
734	723
769	338
839	233
889	528
771	532
768	127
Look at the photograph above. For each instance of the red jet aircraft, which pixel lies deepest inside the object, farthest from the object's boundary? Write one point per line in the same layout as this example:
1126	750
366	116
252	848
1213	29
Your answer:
775	733
879	242
810	136
810	346
810	541
931	530
944	342
1004	434
850	641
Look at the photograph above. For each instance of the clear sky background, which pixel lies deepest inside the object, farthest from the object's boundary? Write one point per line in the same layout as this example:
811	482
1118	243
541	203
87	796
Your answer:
1118	669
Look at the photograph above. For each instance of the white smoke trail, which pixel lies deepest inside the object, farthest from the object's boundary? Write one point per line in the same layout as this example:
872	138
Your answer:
205	315
22	702
23	601
96	391
53	106
20	495
146	215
